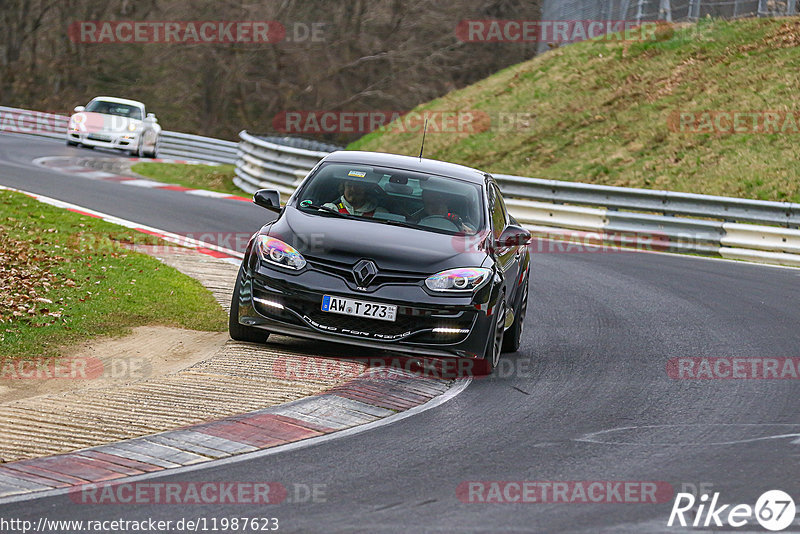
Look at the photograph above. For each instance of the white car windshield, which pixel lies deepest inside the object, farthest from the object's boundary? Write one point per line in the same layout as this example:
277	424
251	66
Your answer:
113	108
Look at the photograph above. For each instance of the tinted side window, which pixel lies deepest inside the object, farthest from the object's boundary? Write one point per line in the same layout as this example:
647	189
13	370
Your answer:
499	215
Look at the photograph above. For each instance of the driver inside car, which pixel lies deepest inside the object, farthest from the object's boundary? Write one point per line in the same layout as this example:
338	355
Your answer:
357	199
437	204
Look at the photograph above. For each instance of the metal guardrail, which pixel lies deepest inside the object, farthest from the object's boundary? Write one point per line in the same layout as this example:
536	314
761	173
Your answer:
664	202
39	123
197	147
266	164
664	220
171	144
668	221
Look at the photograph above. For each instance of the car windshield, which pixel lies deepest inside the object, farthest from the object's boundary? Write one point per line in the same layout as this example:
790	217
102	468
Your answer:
424	201
113	108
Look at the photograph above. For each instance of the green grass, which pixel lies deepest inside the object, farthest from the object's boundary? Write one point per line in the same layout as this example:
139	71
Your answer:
599	112
210	177
65	278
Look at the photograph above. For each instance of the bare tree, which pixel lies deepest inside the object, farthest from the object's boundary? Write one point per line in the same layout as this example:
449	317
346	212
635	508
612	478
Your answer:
373	55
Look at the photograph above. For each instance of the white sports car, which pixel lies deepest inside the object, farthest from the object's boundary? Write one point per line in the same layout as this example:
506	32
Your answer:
118	123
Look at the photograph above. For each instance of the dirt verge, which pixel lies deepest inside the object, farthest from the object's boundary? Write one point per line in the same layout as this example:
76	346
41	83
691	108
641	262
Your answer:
155	379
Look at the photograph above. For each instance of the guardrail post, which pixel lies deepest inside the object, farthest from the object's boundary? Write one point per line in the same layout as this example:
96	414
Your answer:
694	9
665	11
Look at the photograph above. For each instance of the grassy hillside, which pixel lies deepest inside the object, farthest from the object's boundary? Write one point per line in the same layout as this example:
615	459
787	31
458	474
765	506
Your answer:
600	110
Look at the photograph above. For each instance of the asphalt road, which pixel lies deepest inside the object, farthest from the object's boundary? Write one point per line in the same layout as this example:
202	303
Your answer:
224	222
600	330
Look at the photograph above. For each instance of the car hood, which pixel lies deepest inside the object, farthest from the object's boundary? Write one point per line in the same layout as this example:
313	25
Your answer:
391	247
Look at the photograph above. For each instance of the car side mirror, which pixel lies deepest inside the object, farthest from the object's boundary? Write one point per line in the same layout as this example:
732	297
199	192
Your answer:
151	117
268	198
78	109
513	236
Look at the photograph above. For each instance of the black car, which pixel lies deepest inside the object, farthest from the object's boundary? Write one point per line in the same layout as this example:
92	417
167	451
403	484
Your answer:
388	252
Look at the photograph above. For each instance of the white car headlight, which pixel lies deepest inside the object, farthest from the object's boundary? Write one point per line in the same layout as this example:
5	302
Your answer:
463	280
75	121
131	127
277	252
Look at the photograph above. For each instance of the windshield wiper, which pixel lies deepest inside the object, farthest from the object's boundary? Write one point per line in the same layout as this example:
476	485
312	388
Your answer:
306	204
397	223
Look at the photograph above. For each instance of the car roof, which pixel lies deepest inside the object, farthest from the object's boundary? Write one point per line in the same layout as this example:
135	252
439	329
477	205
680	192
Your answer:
116	100
409	163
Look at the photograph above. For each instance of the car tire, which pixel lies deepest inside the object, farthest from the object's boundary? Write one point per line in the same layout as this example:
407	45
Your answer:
154	153
236	330
493	350
513	336
72	143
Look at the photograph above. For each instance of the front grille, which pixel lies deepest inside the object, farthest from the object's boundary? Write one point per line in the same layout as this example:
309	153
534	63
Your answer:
345	271
335	268
98	137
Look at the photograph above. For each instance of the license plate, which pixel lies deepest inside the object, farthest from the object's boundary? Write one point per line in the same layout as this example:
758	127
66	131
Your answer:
359	308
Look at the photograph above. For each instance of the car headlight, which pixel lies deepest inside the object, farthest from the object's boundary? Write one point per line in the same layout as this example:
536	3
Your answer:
131	127
277	252
464	280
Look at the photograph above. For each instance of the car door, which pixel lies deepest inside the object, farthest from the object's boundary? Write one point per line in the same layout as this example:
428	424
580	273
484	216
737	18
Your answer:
507	257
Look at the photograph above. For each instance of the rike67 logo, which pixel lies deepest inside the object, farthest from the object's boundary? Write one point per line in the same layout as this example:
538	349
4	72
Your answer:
774	510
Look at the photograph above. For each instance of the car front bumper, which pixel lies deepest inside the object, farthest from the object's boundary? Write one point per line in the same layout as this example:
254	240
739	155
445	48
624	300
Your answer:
290	304
115	140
